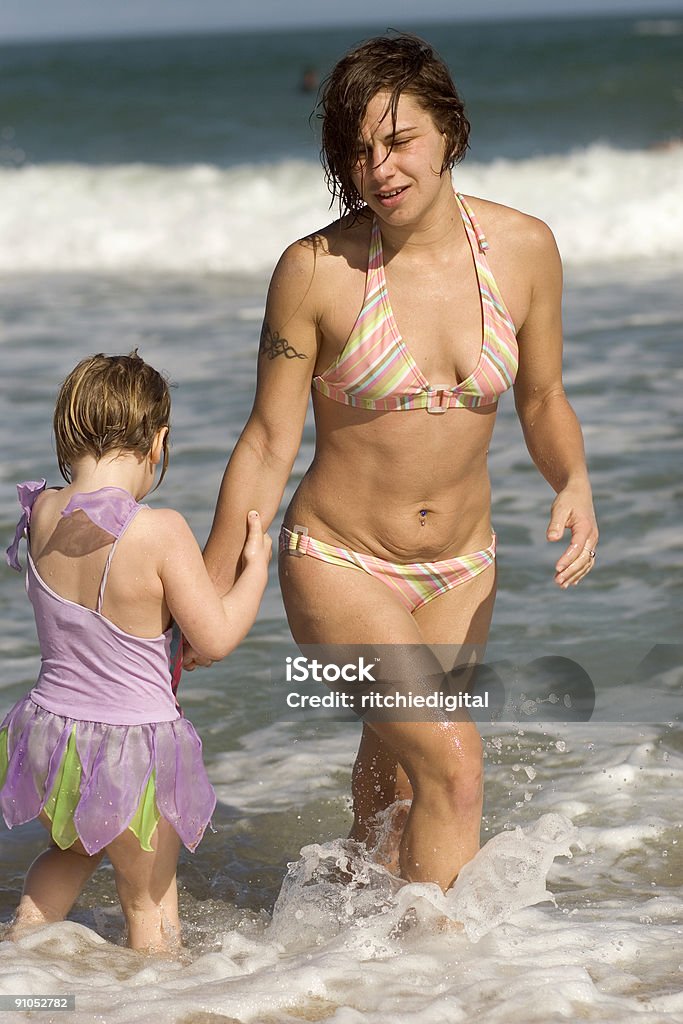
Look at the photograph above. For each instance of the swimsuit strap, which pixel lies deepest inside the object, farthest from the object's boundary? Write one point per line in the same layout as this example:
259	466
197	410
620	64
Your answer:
376	272
376	250
471	222
375	281
111	509
105	577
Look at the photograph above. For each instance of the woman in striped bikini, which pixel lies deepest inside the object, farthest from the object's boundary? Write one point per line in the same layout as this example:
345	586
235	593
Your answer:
408	318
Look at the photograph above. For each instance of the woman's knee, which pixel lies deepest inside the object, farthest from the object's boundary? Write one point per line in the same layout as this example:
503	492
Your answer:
453	774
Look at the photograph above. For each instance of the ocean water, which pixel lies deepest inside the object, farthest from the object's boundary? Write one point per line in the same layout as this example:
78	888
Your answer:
148	188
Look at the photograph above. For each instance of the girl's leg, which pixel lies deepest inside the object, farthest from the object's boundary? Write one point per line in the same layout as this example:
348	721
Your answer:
146	884
53	883
441	759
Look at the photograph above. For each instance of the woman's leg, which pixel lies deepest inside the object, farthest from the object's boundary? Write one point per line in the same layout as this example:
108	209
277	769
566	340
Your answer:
453	625
374	783
442	759
53	883
146	884
443	764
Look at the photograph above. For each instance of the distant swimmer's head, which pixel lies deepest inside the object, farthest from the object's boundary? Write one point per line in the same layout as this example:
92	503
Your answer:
391	64
111	404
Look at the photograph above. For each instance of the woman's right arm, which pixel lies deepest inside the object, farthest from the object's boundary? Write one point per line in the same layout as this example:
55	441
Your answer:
260	465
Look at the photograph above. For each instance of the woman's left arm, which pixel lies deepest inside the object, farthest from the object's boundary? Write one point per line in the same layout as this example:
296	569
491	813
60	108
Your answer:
551	429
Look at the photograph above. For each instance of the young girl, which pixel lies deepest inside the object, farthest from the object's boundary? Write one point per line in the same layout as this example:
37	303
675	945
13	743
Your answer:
98	749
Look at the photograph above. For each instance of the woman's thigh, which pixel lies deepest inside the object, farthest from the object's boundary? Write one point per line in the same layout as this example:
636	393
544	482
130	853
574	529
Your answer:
337	605
456	624
328	604
461	615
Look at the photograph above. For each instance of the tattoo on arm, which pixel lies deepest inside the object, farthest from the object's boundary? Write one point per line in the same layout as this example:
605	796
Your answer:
273	345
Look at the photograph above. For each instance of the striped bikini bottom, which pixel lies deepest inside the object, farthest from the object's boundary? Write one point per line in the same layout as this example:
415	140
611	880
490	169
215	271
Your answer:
414	583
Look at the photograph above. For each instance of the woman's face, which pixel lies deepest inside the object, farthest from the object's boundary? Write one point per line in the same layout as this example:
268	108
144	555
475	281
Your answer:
398	170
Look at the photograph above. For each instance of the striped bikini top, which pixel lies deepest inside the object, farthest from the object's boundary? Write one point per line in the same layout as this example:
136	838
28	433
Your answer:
375	369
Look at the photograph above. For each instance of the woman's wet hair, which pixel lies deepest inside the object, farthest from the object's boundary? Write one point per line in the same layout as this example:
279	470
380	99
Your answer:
110	404
394	64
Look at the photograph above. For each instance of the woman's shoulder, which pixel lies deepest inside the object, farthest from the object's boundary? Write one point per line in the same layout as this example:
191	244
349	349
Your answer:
509	227
322	263
346	240
522	253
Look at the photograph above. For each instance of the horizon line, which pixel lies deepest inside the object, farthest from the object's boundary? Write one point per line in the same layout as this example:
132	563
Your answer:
140	33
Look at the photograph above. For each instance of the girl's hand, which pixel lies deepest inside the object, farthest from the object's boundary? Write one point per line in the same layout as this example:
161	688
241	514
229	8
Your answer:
573	509
258	545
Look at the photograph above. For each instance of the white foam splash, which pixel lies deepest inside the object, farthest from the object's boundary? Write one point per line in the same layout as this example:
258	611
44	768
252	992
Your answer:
603	204
335	888
509	873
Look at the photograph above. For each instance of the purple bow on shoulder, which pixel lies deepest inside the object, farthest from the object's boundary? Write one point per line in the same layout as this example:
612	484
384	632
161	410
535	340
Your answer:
27	494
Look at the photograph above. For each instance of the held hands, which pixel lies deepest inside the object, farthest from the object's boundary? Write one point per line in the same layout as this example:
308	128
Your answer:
573	509
258	545
254	559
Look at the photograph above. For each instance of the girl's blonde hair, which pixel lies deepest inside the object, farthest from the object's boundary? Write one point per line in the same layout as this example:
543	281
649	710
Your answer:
108	404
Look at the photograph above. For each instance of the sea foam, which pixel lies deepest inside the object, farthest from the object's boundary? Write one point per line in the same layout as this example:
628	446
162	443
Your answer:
603	204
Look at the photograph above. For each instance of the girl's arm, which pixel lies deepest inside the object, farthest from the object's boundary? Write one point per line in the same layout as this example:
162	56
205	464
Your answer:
262	460
551	429
213	625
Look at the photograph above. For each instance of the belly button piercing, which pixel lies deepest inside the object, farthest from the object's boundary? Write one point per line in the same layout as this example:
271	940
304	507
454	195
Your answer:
423	516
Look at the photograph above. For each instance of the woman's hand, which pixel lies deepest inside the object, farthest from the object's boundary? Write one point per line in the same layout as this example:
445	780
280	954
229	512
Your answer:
573	510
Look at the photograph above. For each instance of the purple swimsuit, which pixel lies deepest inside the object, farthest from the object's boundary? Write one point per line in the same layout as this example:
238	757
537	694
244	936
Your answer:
114	690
